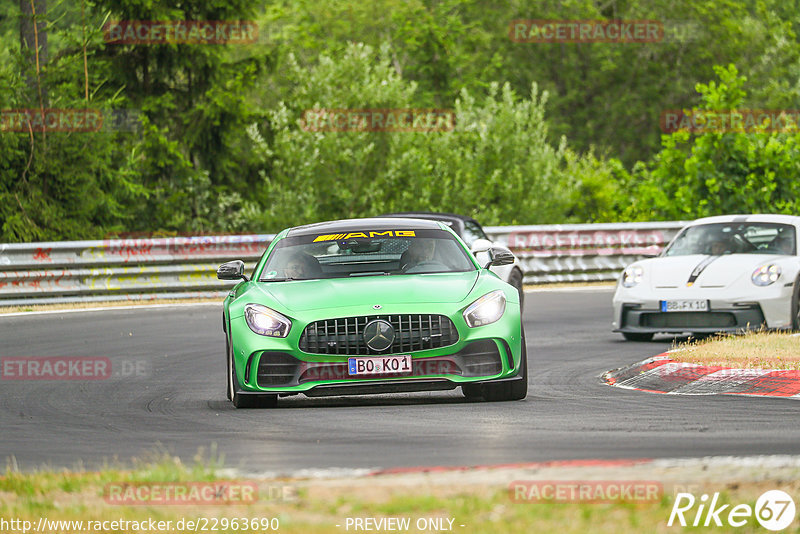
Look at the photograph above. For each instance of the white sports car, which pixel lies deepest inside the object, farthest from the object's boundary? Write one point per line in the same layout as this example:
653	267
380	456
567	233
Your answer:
719	274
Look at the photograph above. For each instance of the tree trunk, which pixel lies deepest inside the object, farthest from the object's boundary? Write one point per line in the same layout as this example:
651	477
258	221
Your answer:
32	39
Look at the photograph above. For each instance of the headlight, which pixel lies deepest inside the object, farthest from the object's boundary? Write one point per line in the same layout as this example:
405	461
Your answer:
486	310
766	274
632	276
266	322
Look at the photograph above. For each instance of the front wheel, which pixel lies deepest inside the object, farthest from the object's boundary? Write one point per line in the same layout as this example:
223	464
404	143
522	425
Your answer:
638	336
244	401
472	391
502	391
795	308
515	279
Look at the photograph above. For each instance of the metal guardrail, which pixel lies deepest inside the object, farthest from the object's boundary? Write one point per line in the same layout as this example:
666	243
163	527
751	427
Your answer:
185	267
121	269
582	252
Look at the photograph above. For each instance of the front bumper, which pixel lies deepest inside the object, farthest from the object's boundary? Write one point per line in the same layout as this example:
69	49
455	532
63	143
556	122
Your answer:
639	311
635	319
268	365
379	386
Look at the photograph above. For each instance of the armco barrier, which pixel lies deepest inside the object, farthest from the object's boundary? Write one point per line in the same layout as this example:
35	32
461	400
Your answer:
184	267
121	269
582	252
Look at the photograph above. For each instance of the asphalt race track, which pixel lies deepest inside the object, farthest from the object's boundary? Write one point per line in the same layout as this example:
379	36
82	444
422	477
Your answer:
172	399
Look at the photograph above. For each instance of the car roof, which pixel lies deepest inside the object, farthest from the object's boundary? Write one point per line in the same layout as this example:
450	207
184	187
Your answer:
358	225
433	215
758	217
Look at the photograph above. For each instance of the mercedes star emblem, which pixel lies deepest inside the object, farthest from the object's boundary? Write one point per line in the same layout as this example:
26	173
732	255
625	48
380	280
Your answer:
378	335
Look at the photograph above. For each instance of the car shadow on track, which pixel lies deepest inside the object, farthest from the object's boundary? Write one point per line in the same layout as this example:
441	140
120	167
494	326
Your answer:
659	340
360	402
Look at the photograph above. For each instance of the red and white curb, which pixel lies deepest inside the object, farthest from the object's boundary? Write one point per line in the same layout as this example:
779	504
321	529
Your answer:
661	374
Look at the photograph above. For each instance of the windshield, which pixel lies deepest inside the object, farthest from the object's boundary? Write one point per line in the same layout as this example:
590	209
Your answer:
472	232
368	253
734	238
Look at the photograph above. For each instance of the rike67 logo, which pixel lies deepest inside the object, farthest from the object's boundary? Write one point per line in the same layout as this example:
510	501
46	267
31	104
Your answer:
774	510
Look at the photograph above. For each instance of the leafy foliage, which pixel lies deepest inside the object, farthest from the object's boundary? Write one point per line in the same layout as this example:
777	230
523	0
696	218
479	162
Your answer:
545	132
496	164
716	173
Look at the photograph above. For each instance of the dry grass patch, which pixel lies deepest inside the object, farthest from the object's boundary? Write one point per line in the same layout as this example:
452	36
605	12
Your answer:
754	350
477	499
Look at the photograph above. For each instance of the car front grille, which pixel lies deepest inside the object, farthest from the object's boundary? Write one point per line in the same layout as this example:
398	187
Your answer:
688	320
739	317
412	332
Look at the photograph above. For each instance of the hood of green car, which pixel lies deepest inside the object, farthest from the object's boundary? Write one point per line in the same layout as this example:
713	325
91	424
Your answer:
302	295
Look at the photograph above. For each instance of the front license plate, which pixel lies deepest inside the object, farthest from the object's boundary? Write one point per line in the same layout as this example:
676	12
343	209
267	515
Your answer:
684	305
380	365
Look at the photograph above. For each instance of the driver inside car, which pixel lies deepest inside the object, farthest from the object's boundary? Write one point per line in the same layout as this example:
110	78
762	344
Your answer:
420	250
719	247
303	266
782	244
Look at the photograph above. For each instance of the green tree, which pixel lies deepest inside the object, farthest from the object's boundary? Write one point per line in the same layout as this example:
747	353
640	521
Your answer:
497	164
716	172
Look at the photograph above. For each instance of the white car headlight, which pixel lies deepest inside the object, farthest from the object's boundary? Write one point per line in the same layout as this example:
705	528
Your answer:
766	274
632	276
486	310
266	322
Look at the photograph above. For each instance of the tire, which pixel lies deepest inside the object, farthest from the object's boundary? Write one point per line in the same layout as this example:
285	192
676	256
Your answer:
503	391
239	400
515	279
638	336
228	388
229	374
795	309
472	391
700	336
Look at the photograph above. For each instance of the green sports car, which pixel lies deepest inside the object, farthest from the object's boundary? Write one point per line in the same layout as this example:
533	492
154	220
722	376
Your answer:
367	306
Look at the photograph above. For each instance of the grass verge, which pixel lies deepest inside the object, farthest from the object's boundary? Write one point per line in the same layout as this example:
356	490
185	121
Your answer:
475	501
753	350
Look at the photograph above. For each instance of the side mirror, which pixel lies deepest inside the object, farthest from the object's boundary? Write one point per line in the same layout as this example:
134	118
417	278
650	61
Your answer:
500	256
233	270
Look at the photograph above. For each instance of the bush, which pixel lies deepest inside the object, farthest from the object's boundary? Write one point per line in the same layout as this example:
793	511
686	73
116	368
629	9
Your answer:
495	165
718	173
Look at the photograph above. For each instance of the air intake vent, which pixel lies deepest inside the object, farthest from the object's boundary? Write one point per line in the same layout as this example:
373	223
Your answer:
277	369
